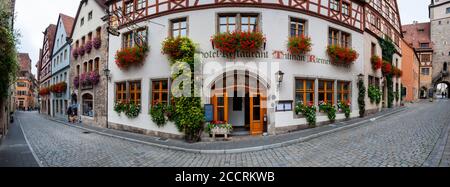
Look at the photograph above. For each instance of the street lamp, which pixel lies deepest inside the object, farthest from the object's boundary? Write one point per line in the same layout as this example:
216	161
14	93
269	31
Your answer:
279	75
107	73
361	77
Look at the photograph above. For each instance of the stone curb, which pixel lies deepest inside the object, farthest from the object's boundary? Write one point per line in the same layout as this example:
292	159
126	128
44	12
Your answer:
239	150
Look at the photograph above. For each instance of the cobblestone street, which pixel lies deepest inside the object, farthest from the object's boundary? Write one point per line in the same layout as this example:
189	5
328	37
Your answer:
405	139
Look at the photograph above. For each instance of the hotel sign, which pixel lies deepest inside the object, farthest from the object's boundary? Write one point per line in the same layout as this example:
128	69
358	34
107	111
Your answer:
275	55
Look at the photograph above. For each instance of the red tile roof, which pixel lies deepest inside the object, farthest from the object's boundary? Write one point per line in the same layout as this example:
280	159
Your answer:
415	34
68	23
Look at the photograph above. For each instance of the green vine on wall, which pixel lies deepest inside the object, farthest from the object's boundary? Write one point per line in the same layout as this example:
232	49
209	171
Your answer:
8	55
361	98
388	50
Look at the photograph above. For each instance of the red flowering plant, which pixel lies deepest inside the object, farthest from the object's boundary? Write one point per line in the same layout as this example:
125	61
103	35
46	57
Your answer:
59	87
97	43
178	48
377	62
88	47
397	72
44	91
130	56
341	55
229	43
387	68
75	53
81	51
298	45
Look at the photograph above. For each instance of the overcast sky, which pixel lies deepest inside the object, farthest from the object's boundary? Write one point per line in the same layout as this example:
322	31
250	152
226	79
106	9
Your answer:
33	16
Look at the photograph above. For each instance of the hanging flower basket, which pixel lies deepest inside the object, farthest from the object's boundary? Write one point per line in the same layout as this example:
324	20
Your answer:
88	47
81	51
133	56
238	41
299	45
341	55
59	87
387	68
75	53
377	62
97	43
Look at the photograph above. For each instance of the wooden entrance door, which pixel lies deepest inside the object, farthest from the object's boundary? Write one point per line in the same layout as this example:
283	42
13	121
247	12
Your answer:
220	102
257	113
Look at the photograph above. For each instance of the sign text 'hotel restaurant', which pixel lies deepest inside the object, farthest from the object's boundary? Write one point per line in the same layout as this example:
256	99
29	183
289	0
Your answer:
265	55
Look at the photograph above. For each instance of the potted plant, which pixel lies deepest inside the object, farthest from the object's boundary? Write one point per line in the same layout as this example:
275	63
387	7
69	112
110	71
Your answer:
376	62
345	108
133	56
219	128
309	111
341	55
374	94
299	45
329	109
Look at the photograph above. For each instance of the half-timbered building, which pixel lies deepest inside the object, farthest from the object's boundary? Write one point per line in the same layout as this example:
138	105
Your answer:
269	105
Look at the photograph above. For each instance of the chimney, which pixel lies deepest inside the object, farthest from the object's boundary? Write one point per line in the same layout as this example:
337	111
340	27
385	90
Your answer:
415	22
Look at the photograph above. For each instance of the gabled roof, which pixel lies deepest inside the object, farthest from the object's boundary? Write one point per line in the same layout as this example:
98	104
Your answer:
417	33
101	3
67	22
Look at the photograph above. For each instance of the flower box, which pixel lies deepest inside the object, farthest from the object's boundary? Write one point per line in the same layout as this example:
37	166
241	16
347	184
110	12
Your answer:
219	128
341	55
229	43
59	87
299	45
88	47
377	62
44	91
178	48
134	56
87	80
397	72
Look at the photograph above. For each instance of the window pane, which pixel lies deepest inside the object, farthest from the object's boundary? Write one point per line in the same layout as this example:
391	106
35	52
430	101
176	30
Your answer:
309	85
231	20
299	85
309	97
244	20
183	24
220	114
175	25
220	101
321	85
164	96
223	20
329	85
253	20
183	33
321	96
223	28
299	97
329	97
164	85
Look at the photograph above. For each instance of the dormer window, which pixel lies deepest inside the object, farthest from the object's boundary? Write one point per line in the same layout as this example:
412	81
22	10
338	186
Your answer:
424	45
82	22
90	15
140	4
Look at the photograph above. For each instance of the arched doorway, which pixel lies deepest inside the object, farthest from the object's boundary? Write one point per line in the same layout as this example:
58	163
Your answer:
88	105
240	99
442	90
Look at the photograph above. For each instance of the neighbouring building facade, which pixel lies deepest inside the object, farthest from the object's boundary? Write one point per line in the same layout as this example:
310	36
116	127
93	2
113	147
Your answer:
417	35
411	69
25	84
440	32
268	105
89	41
7	105
60	95
45	69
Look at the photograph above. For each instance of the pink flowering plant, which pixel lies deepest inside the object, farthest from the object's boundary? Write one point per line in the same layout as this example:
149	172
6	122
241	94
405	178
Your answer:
88	47
97	43
89	78
81	51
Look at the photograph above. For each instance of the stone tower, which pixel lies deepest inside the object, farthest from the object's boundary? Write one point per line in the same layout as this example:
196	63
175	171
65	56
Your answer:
440	36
